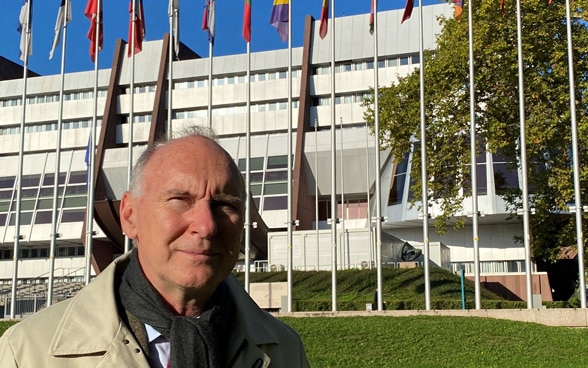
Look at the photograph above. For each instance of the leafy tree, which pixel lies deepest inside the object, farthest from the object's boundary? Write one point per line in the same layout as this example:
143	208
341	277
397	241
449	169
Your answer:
547	111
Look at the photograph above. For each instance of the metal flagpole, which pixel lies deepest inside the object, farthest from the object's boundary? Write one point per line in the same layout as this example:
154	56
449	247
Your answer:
173	13
334	211
576	162
92	155
523	147
344	239
210	49
131	44
316	193
54	233
367	192
248	170
290	221
424	164
378	195
17	236
475	214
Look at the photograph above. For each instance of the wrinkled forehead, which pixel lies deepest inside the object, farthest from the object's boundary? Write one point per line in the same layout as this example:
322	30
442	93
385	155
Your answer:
199	157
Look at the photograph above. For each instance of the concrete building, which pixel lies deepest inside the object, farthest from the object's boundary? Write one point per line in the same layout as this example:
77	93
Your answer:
311	141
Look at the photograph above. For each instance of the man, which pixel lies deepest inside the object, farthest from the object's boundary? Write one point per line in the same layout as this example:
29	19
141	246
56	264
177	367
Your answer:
171	302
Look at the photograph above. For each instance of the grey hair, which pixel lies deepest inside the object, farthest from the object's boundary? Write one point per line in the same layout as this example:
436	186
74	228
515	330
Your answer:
135	184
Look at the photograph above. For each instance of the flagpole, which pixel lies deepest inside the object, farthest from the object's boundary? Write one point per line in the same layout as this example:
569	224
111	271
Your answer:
473	157
210	82
523	147
248	169
345	258
316	194
576	162
367	193
290	222
172	12
131	44
334	211
54	233
92	155
17	236
378	195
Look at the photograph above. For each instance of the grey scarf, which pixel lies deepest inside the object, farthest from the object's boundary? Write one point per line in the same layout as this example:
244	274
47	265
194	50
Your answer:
195	342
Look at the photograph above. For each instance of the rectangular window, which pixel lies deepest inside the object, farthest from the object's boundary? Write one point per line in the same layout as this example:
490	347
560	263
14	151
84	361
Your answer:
275	203
277	162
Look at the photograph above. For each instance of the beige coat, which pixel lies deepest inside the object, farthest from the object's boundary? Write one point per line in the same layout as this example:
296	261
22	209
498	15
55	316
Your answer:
86	331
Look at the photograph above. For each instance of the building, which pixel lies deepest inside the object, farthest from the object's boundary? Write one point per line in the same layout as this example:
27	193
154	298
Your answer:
311	122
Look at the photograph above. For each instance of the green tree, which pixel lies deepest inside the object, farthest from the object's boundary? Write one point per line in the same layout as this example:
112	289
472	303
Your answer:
547	112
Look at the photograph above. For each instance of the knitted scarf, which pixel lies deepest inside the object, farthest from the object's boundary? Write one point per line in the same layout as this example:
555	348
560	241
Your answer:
195	342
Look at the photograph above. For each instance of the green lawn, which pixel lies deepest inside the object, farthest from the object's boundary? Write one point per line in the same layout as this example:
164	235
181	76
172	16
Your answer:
423	341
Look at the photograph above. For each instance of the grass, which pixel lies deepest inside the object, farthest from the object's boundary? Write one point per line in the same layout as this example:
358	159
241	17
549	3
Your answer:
402	289
424	341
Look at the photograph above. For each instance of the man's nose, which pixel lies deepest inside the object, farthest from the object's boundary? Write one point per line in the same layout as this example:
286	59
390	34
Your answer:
203	220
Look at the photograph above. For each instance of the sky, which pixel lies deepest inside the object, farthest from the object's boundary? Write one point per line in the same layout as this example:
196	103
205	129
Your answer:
228	40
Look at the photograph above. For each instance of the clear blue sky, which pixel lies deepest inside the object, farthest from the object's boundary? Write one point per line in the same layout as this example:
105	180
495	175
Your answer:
229	22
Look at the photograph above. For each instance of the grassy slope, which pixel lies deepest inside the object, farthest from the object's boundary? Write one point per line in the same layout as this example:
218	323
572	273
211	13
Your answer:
402	289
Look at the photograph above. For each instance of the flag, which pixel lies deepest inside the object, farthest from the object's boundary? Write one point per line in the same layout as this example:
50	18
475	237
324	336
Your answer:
457	9
407	10
62	20
174	17
138	21
208	20
91	13
24	26
324	28
247	21
371	22
280	18
502	13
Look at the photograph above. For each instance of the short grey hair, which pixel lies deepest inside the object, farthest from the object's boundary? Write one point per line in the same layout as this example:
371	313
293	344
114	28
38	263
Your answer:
135	184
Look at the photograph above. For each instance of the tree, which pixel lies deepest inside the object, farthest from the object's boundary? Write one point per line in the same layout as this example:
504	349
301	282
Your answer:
547	112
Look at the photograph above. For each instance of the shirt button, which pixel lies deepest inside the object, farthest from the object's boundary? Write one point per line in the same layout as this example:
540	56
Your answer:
126	342
137	350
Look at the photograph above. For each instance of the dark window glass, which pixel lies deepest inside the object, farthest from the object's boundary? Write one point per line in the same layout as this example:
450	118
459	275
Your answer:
43	217
276	188
276	176
256	201
505	179
78	177
397	189
3	218
49	179
275	203
256	177
43	252
80	251
30	180
277	162
5	194
75	189
25	218
73	216
255	164
29	193
255	189
7	182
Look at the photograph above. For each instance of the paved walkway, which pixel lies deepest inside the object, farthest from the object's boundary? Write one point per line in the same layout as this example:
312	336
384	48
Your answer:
566	317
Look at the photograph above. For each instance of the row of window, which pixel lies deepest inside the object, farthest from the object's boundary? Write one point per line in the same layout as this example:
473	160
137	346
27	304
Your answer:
237	79
70	251
48	127
141	89
53	97
356	97
234	110
349	66
490	267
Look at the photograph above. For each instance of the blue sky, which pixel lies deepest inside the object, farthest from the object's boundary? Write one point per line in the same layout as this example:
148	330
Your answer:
229	22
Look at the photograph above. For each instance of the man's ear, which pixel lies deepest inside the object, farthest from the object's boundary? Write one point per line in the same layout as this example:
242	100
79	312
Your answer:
127	215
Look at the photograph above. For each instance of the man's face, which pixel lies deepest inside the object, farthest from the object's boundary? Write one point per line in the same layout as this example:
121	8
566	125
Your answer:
187	219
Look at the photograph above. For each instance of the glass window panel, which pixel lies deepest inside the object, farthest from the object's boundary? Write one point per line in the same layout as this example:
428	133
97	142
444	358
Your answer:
404	60
256	177
78	177
73	216
30	180
75	202
3	218
7	182
416	59
256	200
277	162
256	163
29	193
505	179
4	207
25	218
276	176
43	252
48	192
71	251
43	217
397	189
275	203
255	189
75	189
276	188
28	205
5	194
24	253
80	251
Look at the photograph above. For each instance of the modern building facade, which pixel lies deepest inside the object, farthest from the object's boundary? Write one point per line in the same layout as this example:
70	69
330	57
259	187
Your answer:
311	143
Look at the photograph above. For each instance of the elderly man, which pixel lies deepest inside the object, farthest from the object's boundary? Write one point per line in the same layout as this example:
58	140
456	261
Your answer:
171	302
